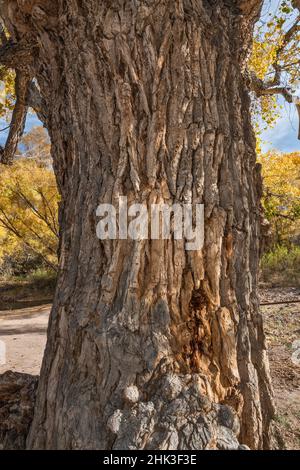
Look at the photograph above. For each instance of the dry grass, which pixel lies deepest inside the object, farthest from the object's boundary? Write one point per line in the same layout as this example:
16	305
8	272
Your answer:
281	267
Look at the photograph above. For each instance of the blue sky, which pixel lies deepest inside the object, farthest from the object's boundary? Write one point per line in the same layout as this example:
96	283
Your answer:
284	136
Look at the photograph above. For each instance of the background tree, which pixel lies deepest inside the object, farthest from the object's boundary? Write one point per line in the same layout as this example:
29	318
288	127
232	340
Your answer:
36	145
275	61
28	211
7	97
149	346
281	200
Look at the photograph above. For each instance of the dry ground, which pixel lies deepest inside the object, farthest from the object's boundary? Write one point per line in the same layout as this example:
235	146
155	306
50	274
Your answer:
282	327
24	333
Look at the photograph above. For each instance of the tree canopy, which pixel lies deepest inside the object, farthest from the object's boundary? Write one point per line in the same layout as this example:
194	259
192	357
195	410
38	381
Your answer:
275	60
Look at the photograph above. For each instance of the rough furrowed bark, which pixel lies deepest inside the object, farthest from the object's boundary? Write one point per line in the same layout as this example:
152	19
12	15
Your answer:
17	398
151	346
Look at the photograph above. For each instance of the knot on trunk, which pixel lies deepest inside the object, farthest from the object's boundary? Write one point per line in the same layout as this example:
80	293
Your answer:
176	416
17	398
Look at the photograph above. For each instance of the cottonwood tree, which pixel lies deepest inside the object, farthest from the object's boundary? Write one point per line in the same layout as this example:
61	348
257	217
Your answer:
149	345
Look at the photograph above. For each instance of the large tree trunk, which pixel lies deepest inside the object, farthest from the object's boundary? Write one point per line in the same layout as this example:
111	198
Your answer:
147	99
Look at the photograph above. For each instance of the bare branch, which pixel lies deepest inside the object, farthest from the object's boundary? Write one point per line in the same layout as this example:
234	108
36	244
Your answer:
17	125
285	42
18	56
3	37
37	103
298	110
47	205
12	229
274	86
261	88
30	205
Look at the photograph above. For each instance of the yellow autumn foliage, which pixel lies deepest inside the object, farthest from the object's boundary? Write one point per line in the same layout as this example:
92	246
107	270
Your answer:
268	40
28	211
281	201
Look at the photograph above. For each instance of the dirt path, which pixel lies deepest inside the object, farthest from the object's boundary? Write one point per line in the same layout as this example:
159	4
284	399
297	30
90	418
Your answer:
23	336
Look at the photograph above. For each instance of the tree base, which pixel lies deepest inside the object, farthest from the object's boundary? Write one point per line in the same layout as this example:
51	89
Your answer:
17	399
178	416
